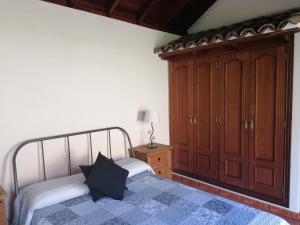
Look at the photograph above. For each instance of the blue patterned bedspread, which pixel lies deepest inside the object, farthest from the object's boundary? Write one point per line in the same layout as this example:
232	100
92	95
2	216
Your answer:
152	200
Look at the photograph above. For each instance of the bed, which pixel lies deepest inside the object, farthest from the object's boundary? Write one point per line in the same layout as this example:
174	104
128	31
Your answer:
149	199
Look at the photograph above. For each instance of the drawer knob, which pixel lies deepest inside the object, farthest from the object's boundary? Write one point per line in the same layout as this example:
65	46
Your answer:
159	172
158	159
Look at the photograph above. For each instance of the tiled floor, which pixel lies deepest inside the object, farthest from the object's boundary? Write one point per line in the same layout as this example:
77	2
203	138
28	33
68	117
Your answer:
287	215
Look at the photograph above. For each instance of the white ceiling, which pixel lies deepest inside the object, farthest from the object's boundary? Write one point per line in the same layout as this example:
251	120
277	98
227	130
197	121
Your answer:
226	12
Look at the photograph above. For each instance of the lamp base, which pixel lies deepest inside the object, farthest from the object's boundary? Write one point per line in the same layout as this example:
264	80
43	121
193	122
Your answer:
151	145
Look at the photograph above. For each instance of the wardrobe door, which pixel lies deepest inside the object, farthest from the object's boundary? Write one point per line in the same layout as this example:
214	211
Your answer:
206	86
268	122
234	116
181	92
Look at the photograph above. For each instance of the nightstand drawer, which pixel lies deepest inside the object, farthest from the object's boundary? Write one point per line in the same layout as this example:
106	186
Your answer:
159	160
2	214
162	171
2	206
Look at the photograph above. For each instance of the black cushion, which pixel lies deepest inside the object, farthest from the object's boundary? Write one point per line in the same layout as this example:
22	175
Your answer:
86	170
107	178
96	195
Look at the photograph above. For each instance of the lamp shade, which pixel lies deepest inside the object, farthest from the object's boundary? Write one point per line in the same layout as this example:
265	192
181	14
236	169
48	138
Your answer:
151	117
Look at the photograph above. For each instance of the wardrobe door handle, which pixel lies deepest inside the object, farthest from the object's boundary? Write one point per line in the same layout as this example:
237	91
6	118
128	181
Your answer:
195	120
190	119
251	125
245	124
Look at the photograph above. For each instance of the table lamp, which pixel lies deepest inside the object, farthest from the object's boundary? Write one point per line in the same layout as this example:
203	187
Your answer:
151	117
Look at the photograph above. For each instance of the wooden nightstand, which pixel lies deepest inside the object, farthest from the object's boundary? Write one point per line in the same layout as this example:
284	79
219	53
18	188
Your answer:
158	158
3	195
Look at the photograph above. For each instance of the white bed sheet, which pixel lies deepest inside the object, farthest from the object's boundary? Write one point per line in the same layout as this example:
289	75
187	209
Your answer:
46	193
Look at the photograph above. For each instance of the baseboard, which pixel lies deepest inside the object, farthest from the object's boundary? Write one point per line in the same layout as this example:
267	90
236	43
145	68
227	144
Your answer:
244	199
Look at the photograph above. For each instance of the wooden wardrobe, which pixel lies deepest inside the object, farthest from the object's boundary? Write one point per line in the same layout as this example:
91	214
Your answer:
230	116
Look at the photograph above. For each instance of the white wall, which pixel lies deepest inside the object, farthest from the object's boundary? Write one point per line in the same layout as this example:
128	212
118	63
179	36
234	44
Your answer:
223	13
295	145
63	70
226	12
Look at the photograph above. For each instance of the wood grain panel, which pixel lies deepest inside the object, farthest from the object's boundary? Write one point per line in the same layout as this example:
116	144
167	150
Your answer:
182	73
159	160
2	214
266	164
3	196
183	157
203	163
266	79
264	176
233	94
205	110
182	100
203	94
233	169
235	76
162	171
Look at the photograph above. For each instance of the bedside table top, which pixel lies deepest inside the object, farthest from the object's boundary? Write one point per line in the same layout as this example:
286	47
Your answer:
146	150
3	194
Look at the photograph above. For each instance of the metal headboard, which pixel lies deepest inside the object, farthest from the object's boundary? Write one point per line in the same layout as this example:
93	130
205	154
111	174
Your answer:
67	138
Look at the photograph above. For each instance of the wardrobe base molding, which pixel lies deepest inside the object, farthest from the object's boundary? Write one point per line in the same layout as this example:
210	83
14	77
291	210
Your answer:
238	197
229	188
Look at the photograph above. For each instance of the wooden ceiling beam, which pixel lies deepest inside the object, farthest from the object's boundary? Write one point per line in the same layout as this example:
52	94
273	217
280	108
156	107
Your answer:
171	16
69	3
112	4
176	9
145	10
192	18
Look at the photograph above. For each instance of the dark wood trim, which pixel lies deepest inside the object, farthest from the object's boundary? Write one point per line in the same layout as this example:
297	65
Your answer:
112	4
177	8
171	106
145	10
289	101
230	44
236	197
